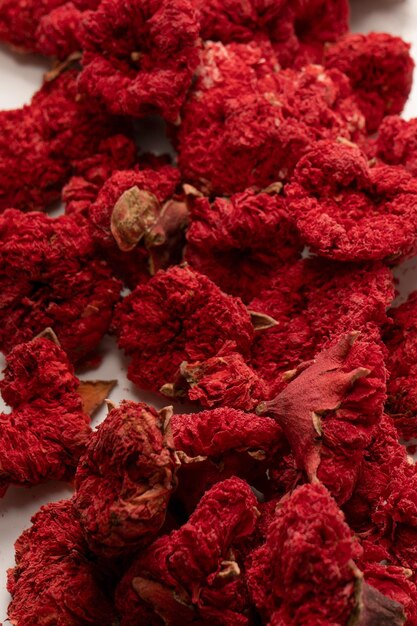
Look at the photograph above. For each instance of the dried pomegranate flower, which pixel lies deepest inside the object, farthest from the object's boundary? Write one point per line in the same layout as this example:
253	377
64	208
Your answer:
397	142
297	30
136	220
329	409
305	572
125	479
40	143
49	276
239	86
49	27
380	69
48	428
214	445
179	315
383	457
401	340
348	211
192	575
222	244
222	380
54	580
313	300
394	582
139	56
114	153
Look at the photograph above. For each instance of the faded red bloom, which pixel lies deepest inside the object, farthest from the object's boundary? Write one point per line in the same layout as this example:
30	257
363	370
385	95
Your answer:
305	572
329	409
137	223
394	582
50	277
380	69
54	580
297	30
222	380
239	86
397	142
401	339
40	143
114	153
179	315
349	211
312	301
125	479
49	27
221	240
384	457
139	56
214	445
48	428
192	575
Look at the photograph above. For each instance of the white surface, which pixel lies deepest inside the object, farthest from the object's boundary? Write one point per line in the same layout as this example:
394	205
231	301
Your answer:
19	77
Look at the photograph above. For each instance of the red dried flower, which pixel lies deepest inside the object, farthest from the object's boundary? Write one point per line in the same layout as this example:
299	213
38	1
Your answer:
329	409
247	124
50	277
394	583
49	27
222	380
48	428
40	143
313	300
383	457
380	69
241	242
401	340
125	479
55	581
137	223
179	315
397	142
348	211
114	153
139	57
305	573
191	575
297	30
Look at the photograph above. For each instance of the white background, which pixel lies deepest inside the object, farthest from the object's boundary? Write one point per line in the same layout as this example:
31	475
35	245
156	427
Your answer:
19	77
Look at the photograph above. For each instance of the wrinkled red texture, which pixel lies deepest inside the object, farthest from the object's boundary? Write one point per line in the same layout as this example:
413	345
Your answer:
224	380
49	27
297	30
394	582
40	143
349	211
401	340
179	315
54	580
329	409
380	69
312	301
135	265
245	123
114	153
47	430
50	277
191	575
397	142
304	570
214	445
139	56
221	241
125	479
383	457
